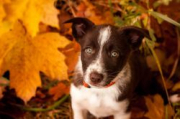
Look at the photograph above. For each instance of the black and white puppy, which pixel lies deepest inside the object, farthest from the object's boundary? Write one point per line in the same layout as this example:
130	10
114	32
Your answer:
110	70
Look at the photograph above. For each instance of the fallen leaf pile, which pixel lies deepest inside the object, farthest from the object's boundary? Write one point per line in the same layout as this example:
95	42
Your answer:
38	52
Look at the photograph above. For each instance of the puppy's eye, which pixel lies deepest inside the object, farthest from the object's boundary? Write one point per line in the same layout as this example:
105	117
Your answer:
114	54
89	50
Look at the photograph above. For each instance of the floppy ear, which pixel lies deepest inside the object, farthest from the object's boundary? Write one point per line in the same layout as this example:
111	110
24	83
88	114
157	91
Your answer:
134	35
80	26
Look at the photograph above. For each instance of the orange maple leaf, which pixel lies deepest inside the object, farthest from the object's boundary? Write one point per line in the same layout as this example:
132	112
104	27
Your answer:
59	90
71	52
155	106
25	57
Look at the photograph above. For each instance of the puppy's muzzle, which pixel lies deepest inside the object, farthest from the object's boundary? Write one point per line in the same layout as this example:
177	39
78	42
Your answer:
96	78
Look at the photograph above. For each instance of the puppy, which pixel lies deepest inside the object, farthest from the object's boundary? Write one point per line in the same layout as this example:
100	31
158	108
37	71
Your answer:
110	70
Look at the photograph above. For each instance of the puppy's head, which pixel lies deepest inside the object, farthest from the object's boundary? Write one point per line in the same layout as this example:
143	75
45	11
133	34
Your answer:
104	49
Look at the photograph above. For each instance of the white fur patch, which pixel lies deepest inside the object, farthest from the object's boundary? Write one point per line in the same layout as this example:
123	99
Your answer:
104	35
96	66
99	102
102	102
78	67
174	98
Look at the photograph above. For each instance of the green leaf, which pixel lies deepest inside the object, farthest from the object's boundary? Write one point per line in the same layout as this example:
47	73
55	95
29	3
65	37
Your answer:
118	21
164	17
151	33
156	4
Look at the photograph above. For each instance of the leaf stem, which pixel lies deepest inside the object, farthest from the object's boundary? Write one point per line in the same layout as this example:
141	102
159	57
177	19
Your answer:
177	57
56	104
159	67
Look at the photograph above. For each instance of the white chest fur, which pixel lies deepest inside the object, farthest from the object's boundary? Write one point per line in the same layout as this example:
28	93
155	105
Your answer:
99	102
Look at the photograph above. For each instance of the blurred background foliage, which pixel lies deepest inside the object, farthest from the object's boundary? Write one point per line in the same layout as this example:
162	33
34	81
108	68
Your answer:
160	17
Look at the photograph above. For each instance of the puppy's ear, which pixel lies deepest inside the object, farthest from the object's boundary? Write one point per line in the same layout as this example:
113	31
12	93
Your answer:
134	35
80	26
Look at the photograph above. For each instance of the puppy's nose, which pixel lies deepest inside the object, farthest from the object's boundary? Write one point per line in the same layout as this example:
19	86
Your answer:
96	77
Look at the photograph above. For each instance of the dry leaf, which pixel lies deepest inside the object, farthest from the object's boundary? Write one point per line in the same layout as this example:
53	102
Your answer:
155	106
176	86
151	61
25	57
87	9
59	90
71	52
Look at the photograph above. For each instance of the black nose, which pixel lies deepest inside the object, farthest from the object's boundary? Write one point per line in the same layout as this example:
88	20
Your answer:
96	77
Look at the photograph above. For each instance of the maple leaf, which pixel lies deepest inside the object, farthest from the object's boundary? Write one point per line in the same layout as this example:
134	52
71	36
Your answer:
25	57
4	25
155	106
32	16
30	12
50	15
2	15
13	10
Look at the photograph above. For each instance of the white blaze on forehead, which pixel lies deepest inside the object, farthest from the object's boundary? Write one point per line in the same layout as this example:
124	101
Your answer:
104	35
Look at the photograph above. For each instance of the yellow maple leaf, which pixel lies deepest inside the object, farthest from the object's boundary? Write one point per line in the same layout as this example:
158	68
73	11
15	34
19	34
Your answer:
15	9
25	57
4	25
32	16
2	15
30	12
18	10
50	14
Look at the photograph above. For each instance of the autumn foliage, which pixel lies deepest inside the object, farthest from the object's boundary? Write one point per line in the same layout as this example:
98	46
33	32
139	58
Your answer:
34	41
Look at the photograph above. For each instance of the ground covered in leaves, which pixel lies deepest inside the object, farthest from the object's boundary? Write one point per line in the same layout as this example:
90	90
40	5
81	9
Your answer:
38	53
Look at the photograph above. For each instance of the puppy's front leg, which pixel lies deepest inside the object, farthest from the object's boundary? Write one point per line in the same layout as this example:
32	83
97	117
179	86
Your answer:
122	116
78	112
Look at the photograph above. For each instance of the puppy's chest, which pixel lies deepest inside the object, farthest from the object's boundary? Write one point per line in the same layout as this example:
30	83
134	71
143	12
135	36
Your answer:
100	103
